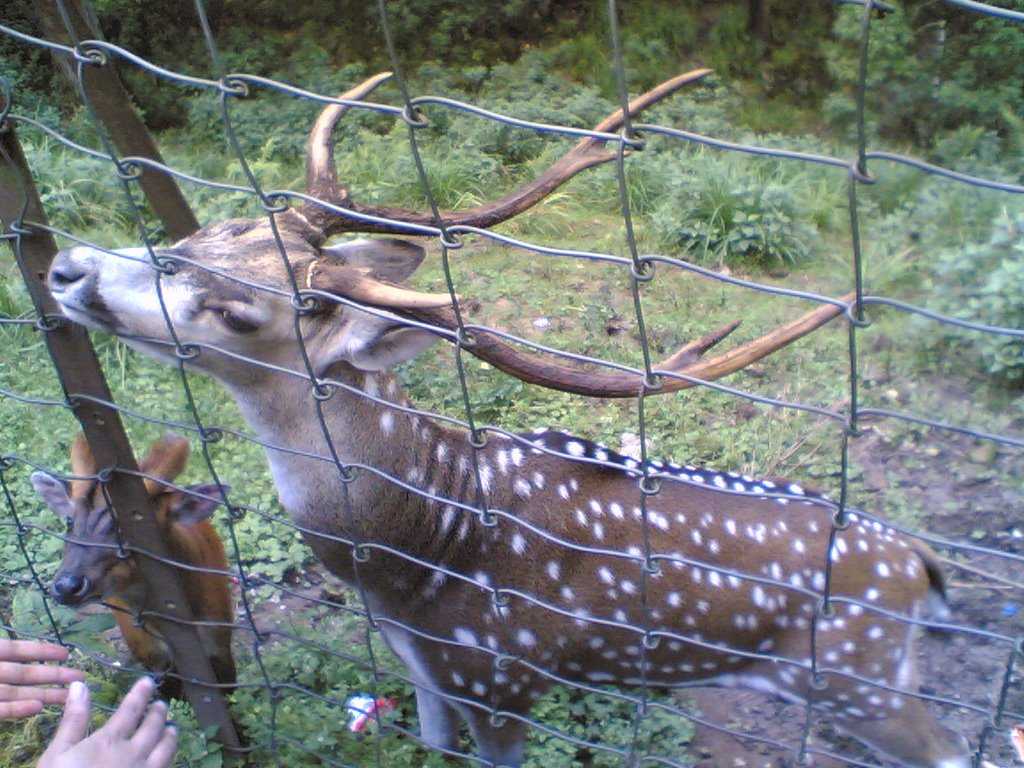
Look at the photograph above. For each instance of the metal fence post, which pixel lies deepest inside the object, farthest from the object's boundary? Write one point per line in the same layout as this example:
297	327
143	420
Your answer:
114	109
86	389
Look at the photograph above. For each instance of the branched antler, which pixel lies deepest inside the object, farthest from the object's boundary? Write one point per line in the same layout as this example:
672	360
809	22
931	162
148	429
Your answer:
322	179
366	287
546	370
536	368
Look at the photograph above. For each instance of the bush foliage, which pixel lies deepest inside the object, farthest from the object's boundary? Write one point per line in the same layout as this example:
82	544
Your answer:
984	283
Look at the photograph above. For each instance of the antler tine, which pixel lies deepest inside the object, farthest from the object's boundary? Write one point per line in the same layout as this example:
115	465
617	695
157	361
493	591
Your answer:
538	369
692	352
321	175
322	179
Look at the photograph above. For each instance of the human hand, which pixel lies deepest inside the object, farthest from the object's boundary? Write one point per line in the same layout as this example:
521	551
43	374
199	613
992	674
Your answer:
21	691
135	736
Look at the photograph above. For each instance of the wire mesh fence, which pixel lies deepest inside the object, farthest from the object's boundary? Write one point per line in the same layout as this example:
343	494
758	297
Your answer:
496	704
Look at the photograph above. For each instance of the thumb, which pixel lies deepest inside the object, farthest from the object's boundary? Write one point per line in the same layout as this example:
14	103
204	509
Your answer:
75	722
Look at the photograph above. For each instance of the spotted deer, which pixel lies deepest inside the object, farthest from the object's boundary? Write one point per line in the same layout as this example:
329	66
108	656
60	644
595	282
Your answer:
551	579
92	570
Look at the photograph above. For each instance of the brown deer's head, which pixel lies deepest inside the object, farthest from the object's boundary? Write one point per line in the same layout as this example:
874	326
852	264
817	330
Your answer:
92	568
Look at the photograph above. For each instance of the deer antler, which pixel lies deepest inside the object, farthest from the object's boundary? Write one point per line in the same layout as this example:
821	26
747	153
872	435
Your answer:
435	309
535	368
539	368
322	179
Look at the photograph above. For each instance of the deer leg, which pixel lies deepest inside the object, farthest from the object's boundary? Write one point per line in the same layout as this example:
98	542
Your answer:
224	671
439	722
895	725
501	745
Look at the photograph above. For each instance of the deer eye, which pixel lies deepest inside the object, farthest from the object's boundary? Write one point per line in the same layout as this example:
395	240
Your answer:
235	322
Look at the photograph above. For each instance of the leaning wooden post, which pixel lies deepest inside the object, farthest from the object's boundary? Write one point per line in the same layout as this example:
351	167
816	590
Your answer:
86	390
114	110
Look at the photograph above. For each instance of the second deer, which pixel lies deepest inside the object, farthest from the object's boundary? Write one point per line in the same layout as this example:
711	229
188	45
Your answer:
91	569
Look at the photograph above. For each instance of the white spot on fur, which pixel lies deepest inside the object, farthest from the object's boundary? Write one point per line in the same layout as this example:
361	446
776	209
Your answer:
485	477
518	543
526	638
464	635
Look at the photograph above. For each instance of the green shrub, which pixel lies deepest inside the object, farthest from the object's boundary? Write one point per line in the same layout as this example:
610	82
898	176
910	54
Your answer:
933	68
726	209
985	283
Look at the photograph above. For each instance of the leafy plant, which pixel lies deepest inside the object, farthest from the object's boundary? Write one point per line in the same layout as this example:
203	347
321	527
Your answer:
29	615
932	70
985	283
723	211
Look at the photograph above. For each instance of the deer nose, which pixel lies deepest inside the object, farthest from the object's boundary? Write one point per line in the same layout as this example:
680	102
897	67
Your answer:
69	587
67	271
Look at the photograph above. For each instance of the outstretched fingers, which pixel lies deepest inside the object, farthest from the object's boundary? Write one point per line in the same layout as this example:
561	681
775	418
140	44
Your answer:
75	722
15	710
13	693
21	674
24	686
124	722
163	752
151	729
31	650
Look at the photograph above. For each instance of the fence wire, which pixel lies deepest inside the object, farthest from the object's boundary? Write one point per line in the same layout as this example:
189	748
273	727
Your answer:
649	475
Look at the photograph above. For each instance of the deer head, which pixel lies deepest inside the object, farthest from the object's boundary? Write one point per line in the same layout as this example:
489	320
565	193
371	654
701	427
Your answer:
91	568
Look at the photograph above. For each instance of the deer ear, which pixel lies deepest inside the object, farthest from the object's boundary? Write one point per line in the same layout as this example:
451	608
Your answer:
386	259
82	463
165	459
191	508
371	343
54	493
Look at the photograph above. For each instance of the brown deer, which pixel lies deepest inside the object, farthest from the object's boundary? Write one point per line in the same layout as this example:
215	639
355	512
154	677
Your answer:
482	614
92	569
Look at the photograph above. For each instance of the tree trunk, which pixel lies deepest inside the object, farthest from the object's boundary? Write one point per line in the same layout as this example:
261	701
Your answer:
757	19
114	109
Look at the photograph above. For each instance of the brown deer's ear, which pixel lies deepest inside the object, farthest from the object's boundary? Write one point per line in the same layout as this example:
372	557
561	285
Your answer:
82	463
165	460
54	494
369	343
198	504
386	259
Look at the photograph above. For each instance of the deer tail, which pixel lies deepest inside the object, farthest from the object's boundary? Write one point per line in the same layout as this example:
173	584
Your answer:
937	607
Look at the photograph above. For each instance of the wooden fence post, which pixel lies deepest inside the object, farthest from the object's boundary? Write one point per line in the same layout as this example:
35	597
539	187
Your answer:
114	110
81	377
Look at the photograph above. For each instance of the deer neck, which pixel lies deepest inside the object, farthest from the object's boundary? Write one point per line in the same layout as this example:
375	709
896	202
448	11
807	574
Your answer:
284	415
